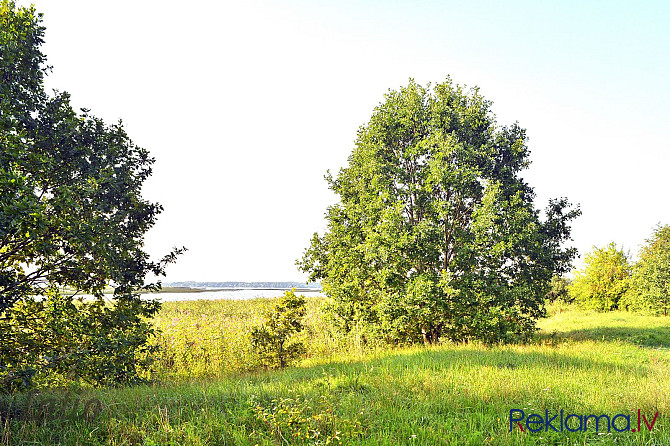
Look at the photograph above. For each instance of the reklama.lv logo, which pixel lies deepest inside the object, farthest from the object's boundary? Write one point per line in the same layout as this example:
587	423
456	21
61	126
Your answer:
576	423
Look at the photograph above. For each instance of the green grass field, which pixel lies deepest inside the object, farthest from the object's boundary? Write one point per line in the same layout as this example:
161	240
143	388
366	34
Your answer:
206	391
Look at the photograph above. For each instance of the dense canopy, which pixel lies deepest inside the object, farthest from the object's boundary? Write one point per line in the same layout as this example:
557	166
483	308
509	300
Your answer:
436	234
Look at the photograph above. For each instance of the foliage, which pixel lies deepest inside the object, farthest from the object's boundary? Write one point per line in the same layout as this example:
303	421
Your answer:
272	340
71	214
56	341
650	288
560	290
436	235
604	280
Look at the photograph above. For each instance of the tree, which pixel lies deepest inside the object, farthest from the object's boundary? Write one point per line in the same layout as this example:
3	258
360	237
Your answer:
435	235
651	274
604	280
560	287
71	215
272	340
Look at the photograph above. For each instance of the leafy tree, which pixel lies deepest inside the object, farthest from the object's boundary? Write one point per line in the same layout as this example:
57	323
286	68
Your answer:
436	235
71	215
604	280
560	289
651	274
272	340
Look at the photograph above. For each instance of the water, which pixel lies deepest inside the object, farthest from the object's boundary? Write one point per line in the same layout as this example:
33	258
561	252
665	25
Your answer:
226	294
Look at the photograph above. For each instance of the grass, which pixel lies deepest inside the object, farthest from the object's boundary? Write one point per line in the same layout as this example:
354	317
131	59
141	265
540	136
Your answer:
581	362
210	338
567	323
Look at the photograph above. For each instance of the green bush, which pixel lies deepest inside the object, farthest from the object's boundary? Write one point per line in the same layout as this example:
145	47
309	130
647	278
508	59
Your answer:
272	340
61	340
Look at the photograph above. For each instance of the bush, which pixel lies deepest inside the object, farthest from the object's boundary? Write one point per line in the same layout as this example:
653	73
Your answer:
61	340
271	341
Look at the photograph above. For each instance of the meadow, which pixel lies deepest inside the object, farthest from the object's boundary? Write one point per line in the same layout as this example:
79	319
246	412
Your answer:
208	390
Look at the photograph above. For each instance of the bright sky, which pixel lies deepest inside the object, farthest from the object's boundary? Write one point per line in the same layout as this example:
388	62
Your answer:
246	104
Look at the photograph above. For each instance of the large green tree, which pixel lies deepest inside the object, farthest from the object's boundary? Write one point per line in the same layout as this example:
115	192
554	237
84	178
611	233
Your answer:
71	215
435	234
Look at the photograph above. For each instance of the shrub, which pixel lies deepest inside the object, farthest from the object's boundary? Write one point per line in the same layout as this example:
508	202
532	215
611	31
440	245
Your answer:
61	339
272	340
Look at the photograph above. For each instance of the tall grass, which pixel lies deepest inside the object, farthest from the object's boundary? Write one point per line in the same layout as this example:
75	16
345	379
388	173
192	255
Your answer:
210	338
581	362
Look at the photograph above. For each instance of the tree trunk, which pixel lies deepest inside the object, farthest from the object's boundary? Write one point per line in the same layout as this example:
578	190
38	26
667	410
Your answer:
428	335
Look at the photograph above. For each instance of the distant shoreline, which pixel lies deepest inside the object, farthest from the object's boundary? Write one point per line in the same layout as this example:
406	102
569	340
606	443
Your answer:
241	285
191	290
173	289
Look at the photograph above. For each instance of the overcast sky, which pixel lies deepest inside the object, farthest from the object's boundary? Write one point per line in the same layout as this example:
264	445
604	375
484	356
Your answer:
246	104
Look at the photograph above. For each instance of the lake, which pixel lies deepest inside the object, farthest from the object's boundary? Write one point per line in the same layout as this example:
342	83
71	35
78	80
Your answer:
226	294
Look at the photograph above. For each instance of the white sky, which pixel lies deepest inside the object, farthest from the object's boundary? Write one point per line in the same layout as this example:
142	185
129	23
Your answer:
246	104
